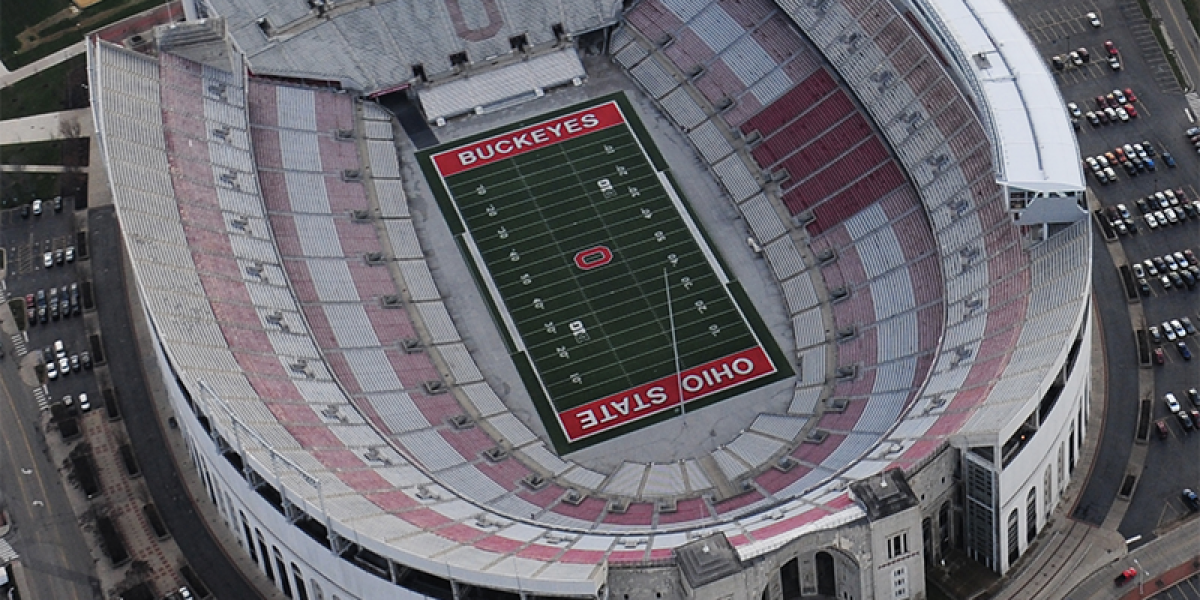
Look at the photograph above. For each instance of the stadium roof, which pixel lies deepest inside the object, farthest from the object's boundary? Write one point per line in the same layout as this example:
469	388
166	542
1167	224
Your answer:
1034	140
374	46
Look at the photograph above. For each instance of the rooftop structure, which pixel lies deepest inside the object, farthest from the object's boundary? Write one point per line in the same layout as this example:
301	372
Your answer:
1022	108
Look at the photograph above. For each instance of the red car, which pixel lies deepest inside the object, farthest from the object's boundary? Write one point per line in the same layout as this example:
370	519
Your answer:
1112	48
1131	110
1101	102
1125	576
1160	426
1129	95
28	299
1160	357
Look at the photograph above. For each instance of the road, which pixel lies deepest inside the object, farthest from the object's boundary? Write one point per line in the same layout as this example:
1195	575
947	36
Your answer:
1183	37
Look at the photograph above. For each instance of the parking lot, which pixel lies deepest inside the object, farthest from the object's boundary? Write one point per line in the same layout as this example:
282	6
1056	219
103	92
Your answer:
1161	119
47	264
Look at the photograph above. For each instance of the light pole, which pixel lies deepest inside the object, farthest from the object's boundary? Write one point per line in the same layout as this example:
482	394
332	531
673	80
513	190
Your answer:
1141	577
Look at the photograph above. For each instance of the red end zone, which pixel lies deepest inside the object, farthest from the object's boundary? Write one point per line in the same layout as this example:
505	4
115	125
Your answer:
654	397
533	137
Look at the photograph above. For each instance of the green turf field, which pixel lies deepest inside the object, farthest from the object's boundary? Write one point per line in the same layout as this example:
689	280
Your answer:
598	275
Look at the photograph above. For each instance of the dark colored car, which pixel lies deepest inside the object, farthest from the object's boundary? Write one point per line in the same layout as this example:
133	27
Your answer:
1190	499
1184	351
1160	357
1194	396
1160	426
1168	159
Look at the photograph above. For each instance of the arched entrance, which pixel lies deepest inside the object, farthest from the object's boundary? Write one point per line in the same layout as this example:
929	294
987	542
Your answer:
826	575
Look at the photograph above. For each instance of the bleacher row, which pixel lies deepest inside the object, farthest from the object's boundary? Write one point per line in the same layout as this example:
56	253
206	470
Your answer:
990	314
238	330
824	156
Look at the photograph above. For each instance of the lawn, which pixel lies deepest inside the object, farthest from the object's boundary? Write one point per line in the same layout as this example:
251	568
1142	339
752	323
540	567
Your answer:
30	30
618	312
57	88
72	152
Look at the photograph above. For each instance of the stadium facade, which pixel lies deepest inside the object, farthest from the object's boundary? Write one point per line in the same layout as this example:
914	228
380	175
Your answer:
914	213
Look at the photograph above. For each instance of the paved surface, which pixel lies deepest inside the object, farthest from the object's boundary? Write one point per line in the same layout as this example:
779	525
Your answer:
7	77
40	169
183	517
46	534
44	127
1172	559
1181	36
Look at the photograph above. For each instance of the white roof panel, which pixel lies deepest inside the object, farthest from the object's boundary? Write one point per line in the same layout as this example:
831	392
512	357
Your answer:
1036	143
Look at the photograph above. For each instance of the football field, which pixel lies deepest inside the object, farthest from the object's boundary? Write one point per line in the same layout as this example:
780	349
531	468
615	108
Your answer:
616	309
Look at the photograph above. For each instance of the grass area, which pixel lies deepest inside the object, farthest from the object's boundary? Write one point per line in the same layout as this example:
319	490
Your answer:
17	307
600	277
32	30
36	153
57	88
20	188
72	152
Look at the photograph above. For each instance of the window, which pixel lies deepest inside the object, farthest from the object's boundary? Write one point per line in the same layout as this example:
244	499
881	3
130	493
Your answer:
1031	515
284	584
900	583
298	578
898	545
458	59
1014	540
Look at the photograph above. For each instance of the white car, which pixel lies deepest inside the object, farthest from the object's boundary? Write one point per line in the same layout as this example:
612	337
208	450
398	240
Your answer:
51	370
1115	63
1092	163
1123	211
1180	332
48	259
1172	403
1151	222
37	208
1181	260
1139	271
84	405
1074	110
1120	96
1103	160
1093	19
1169	331
1124	116
1141	152
1112	175
1150	268
1172	218
64	366
1171	197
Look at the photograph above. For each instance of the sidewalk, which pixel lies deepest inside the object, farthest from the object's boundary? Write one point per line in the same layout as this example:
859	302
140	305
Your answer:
8	78
1173	557
45	127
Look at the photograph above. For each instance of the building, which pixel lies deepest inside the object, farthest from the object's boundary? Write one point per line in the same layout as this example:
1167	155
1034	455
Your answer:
916	241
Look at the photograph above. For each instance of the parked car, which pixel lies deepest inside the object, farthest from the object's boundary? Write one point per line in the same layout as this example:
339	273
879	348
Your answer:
1125	576
1114	63
1168	160
1093	19
1130	96
1073	109
1161	427
1184	351
1111	48
1160	357
1190	499
1172	402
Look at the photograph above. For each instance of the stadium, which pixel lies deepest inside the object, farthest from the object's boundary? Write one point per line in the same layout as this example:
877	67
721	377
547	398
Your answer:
589	299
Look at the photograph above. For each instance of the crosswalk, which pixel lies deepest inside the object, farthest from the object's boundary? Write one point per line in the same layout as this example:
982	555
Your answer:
18	342
42	395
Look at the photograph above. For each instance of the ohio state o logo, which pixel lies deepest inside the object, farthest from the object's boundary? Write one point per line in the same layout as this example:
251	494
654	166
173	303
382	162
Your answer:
591	258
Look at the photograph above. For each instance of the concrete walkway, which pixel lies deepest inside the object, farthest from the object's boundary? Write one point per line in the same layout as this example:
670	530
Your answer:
41	169
8	78
45	127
